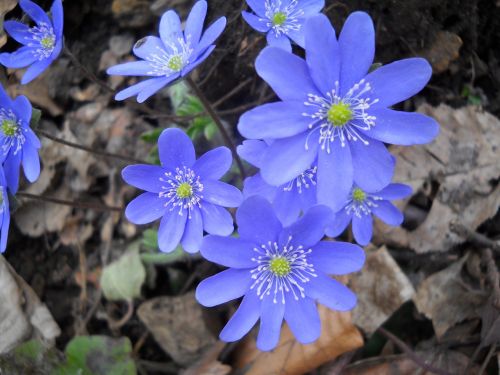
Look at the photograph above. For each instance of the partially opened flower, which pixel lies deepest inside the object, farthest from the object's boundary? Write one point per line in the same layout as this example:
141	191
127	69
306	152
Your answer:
184	192
281	272
19	144
42	43
362	205
333	111
282	20
4	212
173	55
289	200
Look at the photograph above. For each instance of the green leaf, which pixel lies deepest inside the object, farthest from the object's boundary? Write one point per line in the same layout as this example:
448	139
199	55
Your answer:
31	357
163	258
374	67
152	135
150	239
123	279
178	94
36	115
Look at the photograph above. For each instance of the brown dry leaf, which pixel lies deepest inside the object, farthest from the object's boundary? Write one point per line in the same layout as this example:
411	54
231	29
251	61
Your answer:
76	231
444	49
208	364
177	326
5	7
37	92
382	288
446	299
338	336
463	160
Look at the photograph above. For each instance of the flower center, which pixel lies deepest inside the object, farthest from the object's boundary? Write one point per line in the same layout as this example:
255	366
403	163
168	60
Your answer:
279	18
169	60
339	114
361	203
48	42
280	266
9	127
184	190
358	195
175	63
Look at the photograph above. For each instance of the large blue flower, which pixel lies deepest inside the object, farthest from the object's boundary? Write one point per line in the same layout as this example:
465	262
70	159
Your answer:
289	200
18	142
280	271
335	112
174	54
361	205
4	212
282	20
184	191
42	43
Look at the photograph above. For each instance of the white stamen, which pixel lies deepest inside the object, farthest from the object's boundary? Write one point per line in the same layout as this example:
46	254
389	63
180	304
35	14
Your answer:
291	12
173	60
42	38
364	207
13	142
304	181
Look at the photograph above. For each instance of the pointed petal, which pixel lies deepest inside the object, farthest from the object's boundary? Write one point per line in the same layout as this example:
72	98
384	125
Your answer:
155	85
223	287
134	68
36	13
388	213
395	191
210	35
194	22
213	164
243	319
35	70
18	59
18	31
57	17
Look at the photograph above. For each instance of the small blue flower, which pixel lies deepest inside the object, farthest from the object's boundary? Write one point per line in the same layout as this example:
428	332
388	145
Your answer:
42	43
280	271
18	142
173	55
184	192
4	212
282	20
333	111
360	207
289	200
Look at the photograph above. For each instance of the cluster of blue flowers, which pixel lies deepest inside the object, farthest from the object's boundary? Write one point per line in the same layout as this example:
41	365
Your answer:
320	150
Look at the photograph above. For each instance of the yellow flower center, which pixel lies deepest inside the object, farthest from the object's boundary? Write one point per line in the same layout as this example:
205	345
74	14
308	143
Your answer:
339	114
279	18
280	266
175	63
9	127
358	195
184	190
47	42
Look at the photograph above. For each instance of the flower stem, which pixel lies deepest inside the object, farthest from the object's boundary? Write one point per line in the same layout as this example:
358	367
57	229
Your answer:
76	204
89	149
218	122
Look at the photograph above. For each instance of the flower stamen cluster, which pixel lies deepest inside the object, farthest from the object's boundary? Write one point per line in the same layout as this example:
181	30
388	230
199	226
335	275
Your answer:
13	137
173	60
43	40
283	19
361	203
304	181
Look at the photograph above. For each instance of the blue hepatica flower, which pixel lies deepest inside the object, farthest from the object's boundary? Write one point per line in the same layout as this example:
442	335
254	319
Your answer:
19	144
4	212
282	20
184	192
333	111
361	205
173	55
280	271
289	200
42	43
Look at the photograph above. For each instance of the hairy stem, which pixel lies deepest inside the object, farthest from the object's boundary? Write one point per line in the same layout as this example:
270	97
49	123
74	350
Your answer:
76	204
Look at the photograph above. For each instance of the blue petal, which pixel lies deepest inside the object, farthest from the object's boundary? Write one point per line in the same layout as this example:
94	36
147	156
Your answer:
337	258
395	191
146	208
322	53
287	74
216	219
17	30
287	158
5	228
147	46
155	85
198	61
145	177
31	162
257	221
5	100
309	229
36	13
311	7
402	128
170	27
57	17
251	151
11	168
341	220
303	319
388	213
331	293
193	235
373	165
35	70
135	89
21	58
255	22
210	35
23	110
243	319
298	36
396	82
32	139
357	49
171	229
223	287
335	175
134	68
194	22
229	251
175	149
287	205
270	324
279	41
258	7
274	120
214	164
255	185
222	194
362	228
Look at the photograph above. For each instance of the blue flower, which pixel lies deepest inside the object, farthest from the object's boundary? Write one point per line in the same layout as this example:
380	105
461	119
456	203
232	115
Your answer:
282	20
360	207
333	111
184	192
289	200
4	212
280	271
18	142
42	43
173	55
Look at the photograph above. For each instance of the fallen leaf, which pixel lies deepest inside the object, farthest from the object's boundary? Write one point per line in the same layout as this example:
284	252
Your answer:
31	357
5	7
208	364
444	49
37	92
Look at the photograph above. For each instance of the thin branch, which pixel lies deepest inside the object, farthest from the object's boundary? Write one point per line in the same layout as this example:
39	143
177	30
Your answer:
76	204
473	236
231	93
